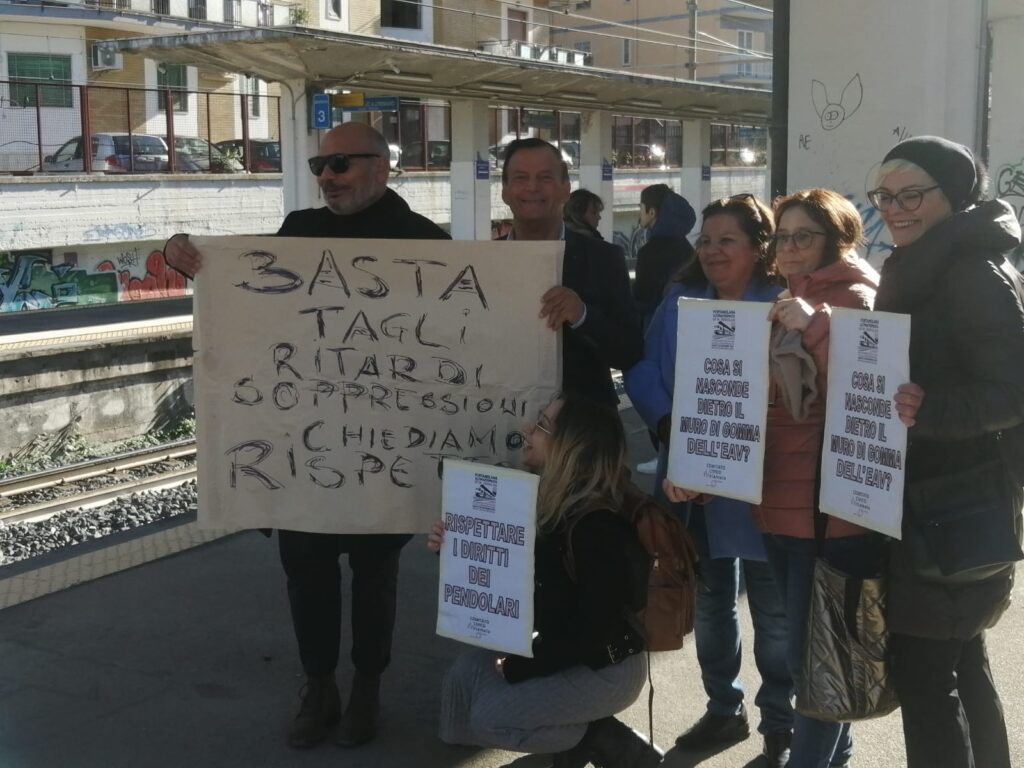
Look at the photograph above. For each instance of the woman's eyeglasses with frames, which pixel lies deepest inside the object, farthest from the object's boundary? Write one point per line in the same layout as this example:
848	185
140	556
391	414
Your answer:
338	162
539	423
907	200
801	239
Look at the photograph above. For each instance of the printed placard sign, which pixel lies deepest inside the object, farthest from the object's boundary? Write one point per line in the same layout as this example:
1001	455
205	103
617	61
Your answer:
485	592
863	454
720	403
333	376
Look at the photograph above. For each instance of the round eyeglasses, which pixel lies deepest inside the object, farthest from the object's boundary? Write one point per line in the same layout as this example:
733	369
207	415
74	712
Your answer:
907	200
801	239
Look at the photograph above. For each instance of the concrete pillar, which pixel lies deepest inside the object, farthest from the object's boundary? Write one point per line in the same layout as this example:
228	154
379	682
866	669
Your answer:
298	144
695	175
595	156
471	196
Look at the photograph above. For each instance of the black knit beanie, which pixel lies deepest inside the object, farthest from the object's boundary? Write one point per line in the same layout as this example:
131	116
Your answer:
950	164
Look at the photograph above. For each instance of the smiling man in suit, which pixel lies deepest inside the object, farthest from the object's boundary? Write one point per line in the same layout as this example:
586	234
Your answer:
593	305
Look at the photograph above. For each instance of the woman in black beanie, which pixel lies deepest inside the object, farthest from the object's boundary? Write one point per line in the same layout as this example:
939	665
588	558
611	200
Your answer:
951	574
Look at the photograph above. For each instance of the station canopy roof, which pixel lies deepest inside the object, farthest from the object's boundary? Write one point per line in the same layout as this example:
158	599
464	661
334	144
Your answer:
337	60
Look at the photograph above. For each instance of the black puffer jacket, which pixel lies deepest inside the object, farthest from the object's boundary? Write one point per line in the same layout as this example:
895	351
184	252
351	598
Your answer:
576	619
967	353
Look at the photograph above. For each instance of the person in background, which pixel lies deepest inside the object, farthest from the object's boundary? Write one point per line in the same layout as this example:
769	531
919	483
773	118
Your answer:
667	219
592	307
731	264
965	409
352	172
816	232
588	662
582	213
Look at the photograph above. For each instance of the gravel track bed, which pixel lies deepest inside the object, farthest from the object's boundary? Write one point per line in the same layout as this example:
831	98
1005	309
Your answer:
20	541
93	483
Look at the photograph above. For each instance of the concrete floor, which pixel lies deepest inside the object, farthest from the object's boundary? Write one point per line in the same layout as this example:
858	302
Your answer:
190	661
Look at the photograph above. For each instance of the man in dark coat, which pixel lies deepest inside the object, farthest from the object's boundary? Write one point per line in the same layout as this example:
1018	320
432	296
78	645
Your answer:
593	306
352	171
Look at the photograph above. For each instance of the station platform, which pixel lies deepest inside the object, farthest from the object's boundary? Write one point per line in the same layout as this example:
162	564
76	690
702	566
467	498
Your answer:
71	319
190	660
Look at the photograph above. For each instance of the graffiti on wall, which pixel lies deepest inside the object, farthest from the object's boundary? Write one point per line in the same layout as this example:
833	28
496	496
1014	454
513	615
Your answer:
834	113
1009	182
876	243
29	280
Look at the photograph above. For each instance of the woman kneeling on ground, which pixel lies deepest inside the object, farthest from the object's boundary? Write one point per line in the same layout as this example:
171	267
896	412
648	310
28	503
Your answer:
588	662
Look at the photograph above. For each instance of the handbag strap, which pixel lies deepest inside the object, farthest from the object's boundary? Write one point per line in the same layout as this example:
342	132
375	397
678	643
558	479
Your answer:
820	518
852	585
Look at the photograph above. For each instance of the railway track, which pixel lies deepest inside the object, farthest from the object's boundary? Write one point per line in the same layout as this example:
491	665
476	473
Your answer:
66	481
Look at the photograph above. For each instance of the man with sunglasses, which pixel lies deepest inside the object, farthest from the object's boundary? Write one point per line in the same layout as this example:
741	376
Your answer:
593	306
352	172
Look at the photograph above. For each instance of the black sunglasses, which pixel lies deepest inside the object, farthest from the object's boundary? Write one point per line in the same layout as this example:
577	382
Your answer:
338	162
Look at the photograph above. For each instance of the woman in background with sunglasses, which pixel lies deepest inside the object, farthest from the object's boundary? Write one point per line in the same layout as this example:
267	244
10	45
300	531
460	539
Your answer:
587	660
731	264
965	451
813	251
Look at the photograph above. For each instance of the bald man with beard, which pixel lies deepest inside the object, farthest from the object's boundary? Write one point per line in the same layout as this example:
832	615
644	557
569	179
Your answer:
352	170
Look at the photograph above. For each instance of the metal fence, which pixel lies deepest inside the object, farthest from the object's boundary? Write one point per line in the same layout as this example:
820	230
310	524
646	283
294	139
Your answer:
48	127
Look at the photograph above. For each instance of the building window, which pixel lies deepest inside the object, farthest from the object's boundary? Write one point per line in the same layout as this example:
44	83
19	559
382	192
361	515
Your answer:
253	88
640	142
264	14
40	67
627	52
197	9
745	68
175	78
517	26
583	46
233	11
401	14
738	146
764	68
163	7
333	9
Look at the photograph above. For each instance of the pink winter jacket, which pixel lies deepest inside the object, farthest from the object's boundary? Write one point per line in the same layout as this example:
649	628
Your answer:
793	449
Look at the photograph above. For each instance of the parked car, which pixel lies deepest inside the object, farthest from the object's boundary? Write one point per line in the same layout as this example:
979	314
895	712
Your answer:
195	155
111	153
266	155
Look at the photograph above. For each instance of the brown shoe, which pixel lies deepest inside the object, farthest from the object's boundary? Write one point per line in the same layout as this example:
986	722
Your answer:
359	723
320	710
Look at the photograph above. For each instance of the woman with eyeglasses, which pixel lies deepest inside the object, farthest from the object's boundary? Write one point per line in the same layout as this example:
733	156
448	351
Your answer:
816	233
965	454
588	662
732	252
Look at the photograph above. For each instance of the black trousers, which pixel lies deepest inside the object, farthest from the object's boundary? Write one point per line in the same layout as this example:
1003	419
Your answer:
310	562
952	716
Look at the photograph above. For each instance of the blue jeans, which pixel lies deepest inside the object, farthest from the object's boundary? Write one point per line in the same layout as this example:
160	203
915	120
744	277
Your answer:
719	649
816	743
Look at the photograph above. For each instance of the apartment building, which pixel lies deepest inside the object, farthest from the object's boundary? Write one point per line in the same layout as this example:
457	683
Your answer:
78	223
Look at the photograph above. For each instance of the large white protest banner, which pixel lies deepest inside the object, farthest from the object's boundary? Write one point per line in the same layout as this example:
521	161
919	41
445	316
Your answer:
720	402
865	443
485	592
333	376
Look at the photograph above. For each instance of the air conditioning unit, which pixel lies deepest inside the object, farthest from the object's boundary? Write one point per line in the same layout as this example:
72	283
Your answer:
104	58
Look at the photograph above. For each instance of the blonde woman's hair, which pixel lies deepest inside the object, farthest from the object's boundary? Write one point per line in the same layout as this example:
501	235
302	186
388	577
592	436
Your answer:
586	464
